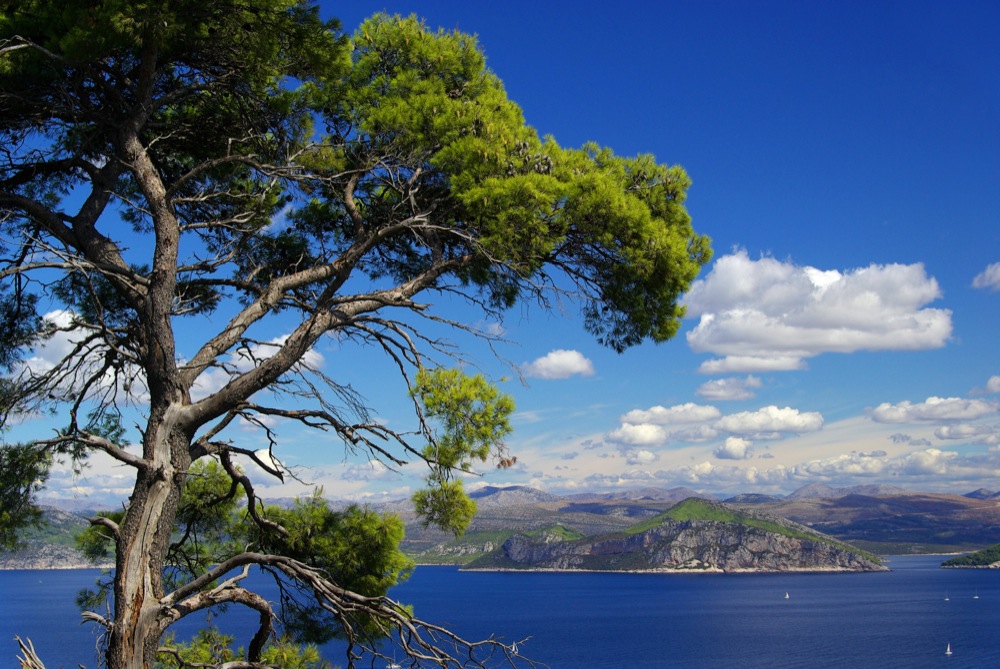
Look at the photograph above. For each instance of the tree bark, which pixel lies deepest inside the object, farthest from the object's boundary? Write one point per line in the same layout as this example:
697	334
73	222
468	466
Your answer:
143	542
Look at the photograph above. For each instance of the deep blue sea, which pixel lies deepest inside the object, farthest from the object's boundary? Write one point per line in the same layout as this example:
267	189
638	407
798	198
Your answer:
902	618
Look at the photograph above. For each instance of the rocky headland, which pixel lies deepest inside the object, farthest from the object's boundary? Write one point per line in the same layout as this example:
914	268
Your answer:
695	536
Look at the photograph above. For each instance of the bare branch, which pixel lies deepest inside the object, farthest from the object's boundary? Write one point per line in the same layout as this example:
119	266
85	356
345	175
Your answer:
420	640
247	486
228	592
30	659
98	443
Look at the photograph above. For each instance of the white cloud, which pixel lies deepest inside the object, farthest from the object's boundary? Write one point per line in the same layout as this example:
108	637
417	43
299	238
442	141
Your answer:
50	351
739	364
934	409
560	364
979	434
993	385
640	456
735	448
770	419
838	466
689	412
636	435
930	461
988	278
695	434
730	389
768	315
649	427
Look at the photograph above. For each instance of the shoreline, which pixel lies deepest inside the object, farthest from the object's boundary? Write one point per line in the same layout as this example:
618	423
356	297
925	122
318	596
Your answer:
669	570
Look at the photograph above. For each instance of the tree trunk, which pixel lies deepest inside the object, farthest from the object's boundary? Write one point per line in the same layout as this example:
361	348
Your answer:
144	537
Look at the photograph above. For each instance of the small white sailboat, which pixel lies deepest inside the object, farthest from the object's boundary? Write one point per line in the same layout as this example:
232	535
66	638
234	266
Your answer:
946	597
947	650
976	596
786	595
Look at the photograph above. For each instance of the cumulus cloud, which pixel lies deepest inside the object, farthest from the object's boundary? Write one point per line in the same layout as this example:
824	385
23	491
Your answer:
731	389
735	448
989	278
695	434
653	426
993	385
933	410
733	468
979	434
559	364
688	412
770	420
695	423
640	457
642	434
768	315
838	466
929	461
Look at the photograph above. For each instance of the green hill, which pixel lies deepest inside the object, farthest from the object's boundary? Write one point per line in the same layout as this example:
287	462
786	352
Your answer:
696	509
984	558
693	535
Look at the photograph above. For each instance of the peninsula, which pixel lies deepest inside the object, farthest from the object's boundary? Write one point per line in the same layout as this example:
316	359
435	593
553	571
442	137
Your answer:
696	535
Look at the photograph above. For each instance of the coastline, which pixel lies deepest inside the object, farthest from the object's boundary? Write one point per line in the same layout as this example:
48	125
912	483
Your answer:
668	570
77	566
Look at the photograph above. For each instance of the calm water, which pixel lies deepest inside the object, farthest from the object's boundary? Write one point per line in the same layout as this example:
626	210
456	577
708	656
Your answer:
611	621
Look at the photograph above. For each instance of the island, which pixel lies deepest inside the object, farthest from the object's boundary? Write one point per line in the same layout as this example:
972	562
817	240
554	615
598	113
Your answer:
695	535
988	558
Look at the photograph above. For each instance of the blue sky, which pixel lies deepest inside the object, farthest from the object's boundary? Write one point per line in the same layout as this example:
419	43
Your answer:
845	161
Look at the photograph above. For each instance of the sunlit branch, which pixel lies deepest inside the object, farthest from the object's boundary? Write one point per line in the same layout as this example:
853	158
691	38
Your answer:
95	442
104	521
228	592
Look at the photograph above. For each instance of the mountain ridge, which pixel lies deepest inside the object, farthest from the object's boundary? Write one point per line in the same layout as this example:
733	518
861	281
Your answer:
696	535
898	523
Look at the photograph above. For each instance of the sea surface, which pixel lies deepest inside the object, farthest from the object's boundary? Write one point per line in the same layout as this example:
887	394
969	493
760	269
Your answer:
902	618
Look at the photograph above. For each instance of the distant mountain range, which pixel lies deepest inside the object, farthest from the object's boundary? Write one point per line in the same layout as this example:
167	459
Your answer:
882	519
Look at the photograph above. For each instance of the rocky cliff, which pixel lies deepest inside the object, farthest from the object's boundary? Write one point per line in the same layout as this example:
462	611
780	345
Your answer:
52	545
42	555
732	542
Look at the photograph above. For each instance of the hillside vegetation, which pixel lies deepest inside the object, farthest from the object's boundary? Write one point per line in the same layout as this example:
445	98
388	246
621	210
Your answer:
879	519
694	535
988	557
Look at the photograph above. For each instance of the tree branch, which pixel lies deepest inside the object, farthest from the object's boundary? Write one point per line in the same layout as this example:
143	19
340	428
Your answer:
30	659
228	592
99	443
420	640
